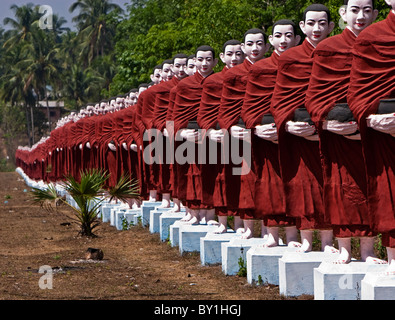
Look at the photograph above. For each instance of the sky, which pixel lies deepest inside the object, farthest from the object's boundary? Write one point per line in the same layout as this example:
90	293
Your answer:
60	7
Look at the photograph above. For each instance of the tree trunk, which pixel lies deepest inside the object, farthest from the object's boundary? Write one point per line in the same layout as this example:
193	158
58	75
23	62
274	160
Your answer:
32	119
29	136
48	112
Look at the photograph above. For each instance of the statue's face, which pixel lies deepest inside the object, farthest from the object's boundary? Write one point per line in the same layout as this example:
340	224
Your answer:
179	68
283	38
191	68
254	46
205	62
359	14
166	73
133	98
316	27
232	56
156	76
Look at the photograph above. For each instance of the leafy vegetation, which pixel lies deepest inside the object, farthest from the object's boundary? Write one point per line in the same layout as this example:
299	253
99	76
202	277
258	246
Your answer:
88	195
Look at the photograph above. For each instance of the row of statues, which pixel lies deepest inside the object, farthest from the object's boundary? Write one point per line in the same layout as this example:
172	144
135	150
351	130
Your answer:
312	125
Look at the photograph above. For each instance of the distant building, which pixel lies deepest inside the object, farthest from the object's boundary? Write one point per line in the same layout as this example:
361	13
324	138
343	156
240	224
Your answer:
55	109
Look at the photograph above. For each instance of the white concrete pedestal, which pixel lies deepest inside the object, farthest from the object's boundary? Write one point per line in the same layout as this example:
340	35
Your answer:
166	220
341	281
130	216
125	218
235	249
210	246
146	208
116	214
189	236
296	271
106	211
175	233
262	264
378	286
154	226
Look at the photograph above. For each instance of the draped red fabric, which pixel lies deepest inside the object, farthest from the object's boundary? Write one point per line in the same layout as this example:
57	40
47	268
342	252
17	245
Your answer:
67	139
330	76
170	129
131	165
239	187
138	125
147	117
108	156
233	92
139	129
52	144
75	139
211	98
172	98
300	162
269	191
213	181
121	154
89	136
373	79
186	107
259	90
148	107
187	101
162	101
345	188
81	140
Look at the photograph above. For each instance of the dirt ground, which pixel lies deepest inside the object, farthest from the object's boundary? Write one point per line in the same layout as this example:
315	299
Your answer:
136	264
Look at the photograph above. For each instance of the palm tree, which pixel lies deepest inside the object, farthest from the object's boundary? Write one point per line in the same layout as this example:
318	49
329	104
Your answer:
96	31
13	89
13	92
58	28
88	194
81	85
32	51
39	64
22	24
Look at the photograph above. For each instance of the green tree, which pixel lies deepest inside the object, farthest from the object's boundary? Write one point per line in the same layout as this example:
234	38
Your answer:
81	86
96	24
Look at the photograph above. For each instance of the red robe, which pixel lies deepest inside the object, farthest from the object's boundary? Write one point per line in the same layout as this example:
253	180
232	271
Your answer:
300	163
52	143
373	79
239	188
139	129
170	128
345	189
68	148
269	189
147	117
122	155
89	155
161	106
74	142
213	179
186	107
131	163
109	157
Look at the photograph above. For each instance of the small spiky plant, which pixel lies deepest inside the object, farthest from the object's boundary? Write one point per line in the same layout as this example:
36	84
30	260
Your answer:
125	189
88	194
